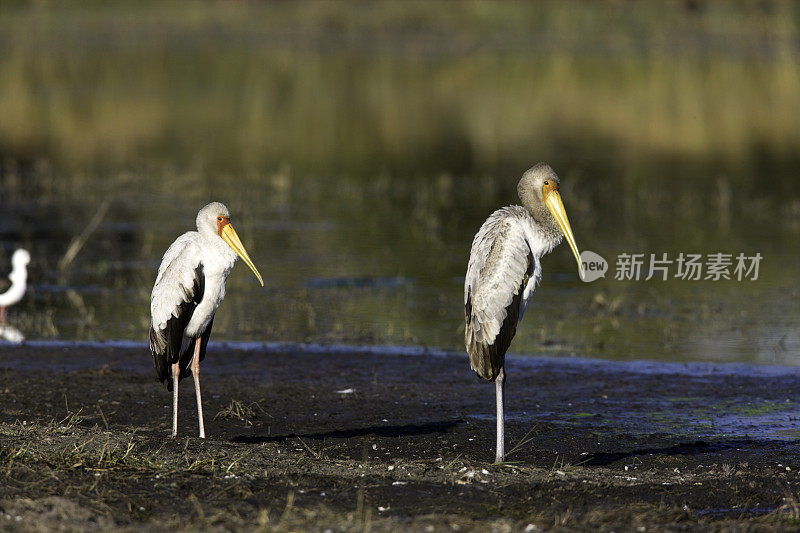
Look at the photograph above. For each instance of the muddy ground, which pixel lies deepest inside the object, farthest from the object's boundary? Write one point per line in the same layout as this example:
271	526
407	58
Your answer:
375	441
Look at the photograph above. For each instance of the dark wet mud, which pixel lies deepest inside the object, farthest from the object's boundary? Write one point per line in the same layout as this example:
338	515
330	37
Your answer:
369	441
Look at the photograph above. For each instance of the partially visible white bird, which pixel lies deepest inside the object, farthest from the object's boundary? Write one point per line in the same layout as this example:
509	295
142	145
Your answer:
504	268
19	281
189	288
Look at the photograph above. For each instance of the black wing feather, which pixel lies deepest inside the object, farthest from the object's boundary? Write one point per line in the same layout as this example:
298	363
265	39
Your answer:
179	347
188	351
488	359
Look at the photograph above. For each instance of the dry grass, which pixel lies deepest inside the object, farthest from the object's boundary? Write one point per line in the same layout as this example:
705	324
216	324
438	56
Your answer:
67	471
241	411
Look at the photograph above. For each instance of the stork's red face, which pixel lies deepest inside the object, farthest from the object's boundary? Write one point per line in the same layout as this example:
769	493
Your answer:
228	234
548	187
221	223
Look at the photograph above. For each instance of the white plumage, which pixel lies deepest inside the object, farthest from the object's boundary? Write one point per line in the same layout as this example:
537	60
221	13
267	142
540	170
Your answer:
504	268
177	276
506	247
189	287
19	281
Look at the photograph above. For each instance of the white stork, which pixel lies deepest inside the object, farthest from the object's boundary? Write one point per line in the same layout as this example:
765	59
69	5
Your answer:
18	279
504	268
189	288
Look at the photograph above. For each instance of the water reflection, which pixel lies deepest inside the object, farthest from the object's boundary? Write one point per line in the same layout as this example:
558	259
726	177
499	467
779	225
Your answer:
11	334
342	265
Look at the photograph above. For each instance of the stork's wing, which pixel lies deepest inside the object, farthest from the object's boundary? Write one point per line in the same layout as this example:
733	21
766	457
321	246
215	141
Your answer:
500	265
179	288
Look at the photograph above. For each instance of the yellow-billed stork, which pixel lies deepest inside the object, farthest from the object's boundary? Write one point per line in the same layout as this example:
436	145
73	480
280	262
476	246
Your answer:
504	268
189	287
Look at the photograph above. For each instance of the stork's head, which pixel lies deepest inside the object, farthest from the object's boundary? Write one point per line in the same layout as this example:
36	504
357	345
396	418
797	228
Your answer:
20	259
215	220
538	190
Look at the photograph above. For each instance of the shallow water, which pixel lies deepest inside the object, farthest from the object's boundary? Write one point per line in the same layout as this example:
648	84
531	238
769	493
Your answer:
344	268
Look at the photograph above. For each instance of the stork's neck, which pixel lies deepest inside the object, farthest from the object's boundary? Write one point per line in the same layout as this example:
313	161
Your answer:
220	247
19	274
543	234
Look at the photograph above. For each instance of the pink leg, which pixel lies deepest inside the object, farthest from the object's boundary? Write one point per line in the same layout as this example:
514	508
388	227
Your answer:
176	372
3	315
195	366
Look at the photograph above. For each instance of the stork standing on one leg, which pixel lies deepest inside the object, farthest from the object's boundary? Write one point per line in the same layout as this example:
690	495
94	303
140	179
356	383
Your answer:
504	268
189	288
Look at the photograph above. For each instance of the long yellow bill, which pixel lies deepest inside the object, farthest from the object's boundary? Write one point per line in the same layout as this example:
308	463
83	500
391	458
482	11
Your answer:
553	202
232	239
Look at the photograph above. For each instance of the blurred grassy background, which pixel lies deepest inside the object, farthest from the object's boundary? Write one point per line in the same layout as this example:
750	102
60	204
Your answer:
362	87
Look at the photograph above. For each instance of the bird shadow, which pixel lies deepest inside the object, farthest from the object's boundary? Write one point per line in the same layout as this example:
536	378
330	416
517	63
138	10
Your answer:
685	448
406	430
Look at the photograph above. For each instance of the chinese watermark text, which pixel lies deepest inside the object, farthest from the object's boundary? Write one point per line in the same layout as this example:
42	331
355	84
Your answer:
692	267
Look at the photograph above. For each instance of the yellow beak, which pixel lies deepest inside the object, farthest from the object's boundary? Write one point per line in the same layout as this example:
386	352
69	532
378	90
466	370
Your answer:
556	207
232	239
